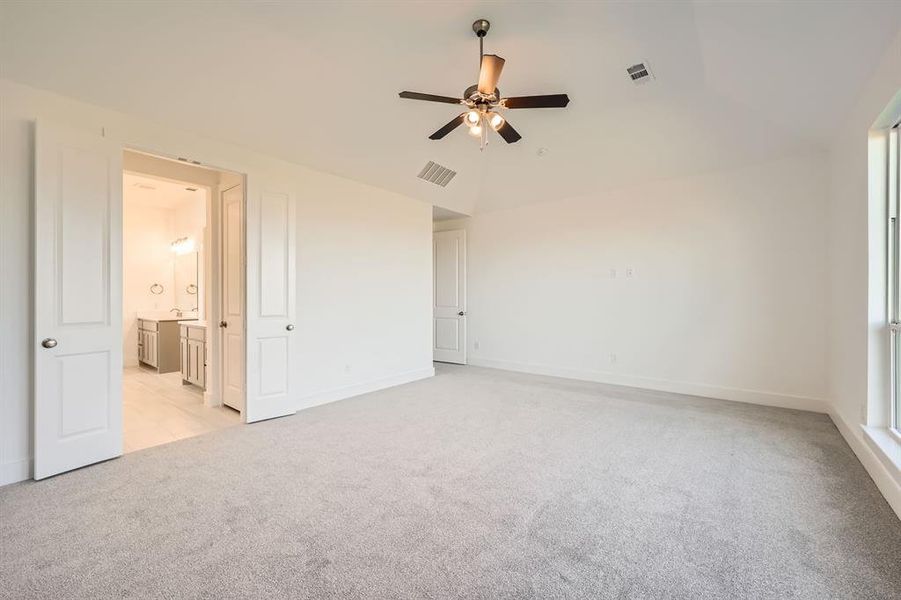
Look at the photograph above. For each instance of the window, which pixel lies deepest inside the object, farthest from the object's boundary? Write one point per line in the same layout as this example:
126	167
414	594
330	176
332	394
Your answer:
893	188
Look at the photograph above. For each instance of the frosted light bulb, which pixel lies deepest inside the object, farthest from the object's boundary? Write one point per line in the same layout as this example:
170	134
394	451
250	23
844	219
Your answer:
496	121
473	117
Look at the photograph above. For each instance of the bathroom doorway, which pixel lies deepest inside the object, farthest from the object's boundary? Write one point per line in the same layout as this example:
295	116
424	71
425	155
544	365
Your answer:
78	287
182	230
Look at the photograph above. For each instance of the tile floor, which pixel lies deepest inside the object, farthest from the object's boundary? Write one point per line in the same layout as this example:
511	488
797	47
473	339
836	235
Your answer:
158	409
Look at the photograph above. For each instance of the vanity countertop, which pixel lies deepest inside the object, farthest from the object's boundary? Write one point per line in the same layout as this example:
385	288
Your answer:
193	322
161	316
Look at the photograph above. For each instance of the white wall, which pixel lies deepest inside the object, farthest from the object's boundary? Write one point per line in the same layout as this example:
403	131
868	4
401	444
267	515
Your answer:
858	339
369	256
727	296
364	264
146	260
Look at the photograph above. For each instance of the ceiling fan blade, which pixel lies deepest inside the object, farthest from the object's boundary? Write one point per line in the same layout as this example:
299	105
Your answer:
549	101
458	120
430	97
489	73
510	135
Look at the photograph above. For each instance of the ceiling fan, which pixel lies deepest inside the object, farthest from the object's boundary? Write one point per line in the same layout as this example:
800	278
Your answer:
484	99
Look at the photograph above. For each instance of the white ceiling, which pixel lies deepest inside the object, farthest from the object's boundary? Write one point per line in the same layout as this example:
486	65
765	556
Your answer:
317	83
158	193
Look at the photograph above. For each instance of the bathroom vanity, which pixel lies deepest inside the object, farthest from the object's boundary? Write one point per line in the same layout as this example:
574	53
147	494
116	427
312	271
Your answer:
158	342
192	348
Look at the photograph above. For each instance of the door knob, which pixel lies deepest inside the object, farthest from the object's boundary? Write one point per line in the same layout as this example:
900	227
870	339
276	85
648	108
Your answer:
290	327
49	343
461	313
223	323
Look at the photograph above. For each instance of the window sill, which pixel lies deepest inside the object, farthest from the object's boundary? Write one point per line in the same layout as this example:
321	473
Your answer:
887	447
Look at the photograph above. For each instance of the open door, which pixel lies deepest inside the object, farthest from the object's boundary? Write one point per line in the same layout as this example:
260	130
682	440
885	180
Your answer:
78	304
232	295
449	296
271	306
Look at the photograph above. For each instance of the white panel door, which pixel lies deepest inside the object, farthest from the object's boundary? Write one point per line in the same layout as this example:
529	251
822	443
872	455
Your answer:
232	296
271	277
78	300
449	293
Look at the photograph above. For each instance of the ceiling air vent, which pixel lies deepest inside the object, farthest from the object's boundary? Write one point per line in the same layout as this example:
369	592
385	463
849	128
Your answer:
435	173
640	73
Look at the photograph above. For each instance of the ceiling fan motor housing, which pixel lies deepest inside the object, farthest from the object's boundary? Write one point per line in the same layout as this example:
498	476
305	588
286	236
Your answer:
472	93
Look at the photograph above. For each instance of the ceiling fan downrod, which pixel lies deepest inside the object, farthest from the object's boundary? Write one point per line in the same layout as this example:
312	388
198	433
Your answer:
481	27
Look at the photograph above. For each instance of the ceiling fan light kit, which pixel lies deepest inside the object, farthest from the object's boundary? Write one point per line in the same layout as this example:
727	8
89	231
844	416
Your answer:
483	99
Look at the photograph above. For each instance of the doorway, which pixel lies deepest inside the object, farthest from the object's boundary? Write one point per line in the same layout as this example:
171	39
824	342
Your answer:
449	296
182	241
78	289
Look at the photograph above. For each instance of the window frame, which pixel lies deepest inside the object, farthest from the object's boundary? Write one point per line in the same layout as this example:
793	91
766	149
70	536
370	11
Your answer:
893	192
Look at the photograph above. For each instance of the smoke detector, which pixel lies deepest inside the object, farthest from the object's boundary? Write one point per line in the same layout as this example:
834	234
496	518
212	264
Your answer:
640	73
437	174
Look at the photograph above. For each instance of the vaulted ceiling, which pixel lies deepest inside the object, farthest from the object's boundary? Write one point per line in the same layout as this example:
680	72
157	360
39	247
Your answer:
317	83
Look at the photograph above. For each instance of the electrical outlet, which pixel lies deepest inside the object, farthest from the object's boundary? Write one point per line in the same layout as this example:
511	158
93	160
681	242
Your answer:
612	273
347	368
475	346
612	358
630	273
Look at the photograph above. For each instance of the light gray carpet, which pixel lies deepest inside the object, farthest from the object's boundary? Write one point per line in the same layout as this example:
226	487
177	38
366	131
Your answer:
475	484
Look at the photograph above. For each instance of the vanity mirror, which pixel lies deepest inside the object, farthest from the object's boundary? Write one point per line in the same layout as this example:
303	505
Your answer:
187	296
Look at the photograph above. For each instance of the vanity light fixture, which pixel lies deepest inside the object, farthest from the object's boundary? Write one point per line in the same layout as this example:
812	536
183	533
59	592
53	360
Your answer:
183	245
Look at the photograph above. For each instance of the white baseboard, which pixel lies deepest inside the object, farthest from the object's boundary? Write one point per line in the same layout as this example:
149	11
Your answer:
887	482
372	385
13	472
662	385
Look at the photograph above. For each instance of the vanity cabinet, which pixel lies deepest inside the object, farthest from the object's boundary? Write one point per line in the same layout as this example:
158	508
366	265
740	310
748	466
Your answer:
148	347
158	344
192	349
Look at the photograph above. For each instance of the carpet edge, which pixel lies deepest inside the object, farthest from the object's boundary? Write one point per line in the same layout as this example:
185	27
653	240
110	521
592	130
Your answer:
779	400
877	470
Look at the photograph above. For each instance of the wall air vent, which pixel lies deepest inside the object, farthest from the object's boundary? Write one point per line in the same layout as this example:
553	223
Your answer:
640	73
435	173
